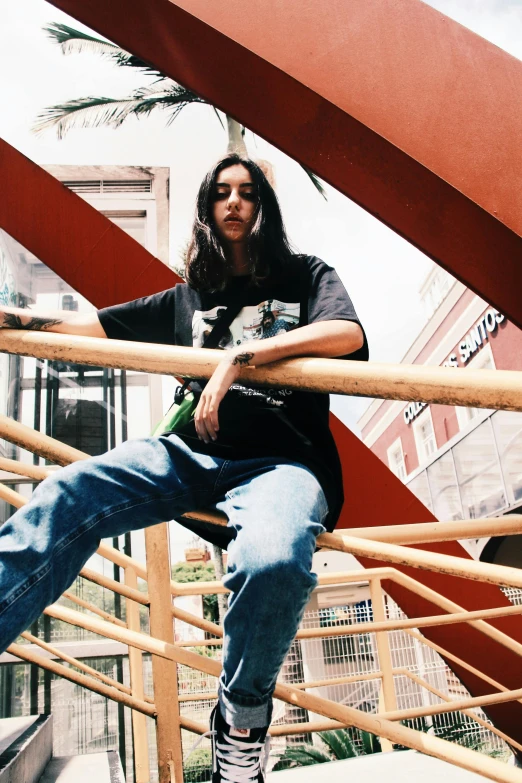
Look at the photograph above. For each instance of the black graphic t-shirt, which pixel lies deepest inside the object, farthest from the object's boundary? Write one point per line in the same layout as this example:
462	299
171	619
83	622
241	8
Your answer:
254	421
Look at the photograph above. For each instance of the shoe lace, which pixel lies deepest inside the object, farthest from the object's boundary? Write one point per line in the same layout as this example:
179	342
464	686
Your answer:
198	743
241	762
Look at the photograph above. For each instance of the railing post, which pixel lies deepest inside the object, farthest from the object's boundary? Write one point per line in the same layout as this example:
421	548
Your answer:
387	700
164	672
139	721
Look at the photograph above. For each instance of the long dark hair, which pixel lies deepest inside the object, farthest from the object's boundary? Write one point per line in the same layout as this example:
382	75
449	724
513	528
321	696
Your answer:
269	249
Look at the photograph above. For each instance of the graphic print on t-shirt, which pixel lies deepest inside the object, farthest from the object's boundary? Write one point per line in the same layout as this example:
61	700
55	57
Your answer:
256	322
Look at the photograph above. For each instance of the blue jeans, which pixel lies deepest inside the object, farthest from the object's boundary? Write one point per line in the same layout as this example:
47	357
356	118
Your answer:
275	509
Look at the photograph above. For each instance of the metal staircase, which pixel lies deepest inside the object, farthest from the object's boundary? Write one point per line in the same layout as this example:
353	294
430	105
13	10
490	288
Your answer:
26	747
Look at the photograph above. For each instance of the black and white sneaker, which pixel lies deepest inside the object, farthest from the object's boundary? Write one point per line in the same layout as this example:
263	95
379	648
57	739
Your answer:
238	755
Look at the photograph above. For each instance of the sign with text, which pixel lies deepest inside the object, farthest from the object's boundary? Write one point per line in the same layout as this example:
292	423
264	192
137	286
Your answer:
476	338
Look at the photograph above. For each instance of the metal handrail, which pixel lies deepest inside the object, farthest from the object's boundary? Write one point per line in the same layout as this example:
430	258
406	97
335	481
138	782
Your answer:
431	384
145	643
500	389
380	724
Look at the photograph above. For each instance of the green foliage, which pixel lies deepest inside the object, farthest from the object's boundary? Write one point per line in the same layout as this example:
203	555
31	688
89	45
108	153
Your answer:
92	593
339	745
93	111
303	756
73	41
197	766
316	182
370	743
193	572
208	652
199	572
465	732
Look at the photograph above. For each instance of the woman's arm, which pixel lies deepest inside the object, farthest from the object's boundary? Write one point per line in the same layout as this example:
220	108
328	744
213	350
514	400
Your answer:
326	339
63	321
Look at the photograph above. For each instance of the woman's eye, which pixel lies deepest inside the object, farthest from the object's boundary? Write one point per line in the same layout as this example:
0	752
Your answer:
249	196
220	194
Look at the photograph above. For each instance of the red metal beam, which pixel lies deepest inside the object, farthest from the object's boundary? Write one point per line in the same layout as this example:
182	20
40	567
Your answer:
81	245
405	111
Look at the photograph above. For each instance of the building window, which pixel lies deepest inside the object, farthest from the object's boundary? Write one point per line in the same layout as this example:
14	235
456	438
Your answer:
435	289
483	361
479	473
465	415
133	222
424	436
396	460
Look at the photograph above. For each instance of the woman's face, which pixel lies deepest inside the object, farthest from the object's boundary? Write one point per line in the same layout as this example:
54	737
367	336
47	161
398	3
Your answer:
234	205
268	320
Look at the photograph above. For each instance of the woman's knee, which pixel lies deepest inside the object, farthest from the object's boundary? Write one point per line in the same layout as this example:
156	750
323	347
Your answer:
282	580
281	560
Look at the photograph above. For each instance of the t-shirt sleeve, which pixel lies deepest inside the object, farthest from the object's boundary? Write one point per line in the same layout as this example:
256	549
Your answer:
328	300
149	319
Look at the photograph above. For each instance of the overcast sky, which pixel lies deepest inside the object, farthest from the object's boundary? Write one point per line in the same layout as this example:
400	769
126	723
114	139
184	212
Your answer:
381	271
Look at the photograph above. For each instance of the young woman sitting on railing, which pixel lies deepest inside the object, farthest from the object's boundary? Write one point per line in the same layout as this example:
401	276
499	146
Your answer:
265	457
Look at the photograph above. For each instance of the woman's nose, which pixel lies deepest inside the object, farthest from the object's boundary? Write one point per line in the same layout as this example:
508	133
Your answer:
233	199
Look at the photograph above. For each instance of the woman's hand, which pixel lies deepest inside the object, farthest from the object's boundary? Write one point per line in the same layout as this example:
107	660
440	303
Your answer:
226	373
324	338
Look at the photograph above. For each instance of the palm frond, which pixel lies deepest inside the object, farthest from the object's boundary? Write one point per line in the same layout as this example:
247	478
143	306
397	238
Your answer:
303	756
339	743
91	111
168	91
370	743
464	732
316	182
174	104
419	724
74	41
219	117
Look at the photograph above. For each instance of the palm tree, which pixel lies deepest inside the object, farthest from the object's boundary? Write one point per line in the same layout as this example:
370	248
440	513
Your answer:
339	745
162	94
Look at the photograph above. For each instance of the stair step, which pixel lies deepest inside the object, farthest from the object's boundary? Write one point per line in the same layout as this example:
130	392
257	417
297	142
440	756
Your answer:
395	767
26	745
89	768
11	728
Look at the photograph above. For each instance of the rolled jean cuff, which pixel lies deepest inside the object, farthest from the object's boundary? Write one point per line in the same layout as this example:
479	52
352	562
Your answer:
244	712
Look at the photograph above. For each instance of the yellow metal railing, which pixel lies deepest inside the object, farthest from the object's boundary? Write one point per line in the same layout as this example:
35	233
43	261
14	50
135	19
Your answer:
481	388
499	389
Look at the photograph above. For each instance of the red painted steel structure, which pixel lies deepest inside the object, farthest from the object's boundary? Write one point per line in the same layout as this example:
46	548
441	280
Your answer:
95	256
380	141
408	113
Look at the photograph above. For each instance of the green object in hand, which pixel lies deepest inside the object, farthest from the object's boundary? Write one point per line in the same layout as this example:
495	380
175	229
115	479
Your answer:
178	415
182	410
